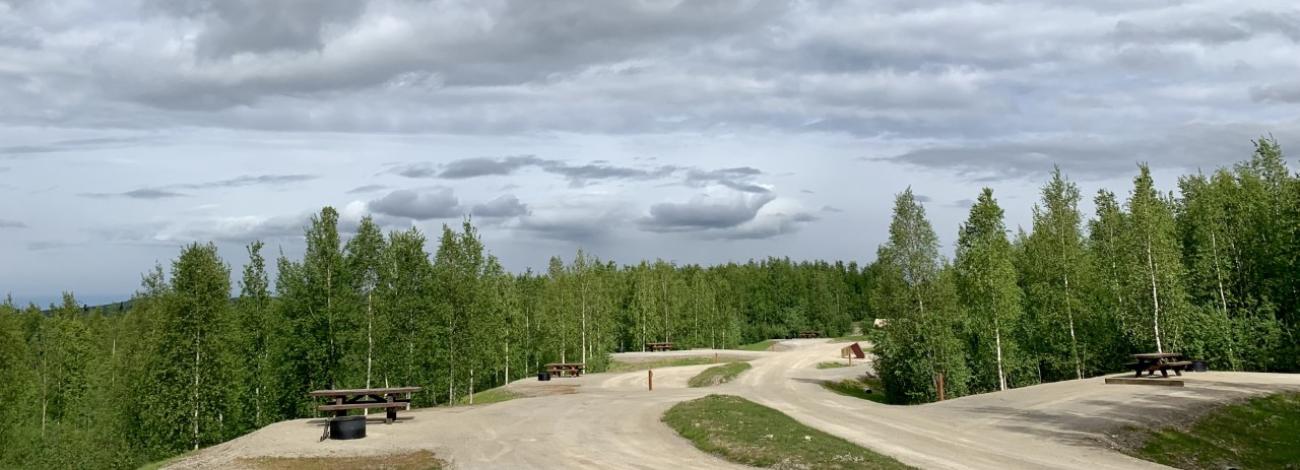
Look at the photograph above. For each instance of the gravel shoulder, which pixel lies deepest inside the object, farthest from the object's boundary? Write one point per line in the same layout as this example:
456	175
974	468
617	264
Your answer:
613	421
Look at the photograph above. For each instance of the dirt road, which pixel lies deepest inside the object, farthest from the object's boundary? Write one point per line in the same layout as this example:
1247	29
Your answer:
611	421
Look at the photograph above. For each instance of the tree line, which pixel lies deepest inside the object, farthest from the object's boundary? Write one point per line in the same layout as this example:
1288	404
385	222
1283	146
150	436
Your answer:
1212	272
192	360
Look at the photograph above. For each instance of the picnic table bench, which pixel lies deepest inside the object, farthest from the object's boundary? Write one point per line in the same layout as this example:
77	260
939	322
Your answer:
1163	362
565	369
657	347
390	399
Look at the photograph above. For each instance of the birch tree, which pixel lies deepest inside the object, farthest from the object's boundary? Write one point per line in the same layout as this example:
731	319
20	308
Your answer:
986	281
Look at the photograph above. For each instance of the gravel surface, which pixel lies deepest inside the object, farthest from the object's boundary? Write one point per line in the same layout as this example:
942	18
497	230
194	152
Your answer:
610	421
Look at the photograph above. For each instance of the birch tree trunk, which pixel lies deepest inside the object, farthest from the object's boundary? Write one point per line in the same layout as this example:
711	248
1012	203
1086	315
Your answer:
1223	298
1074	343
997	340
1155	295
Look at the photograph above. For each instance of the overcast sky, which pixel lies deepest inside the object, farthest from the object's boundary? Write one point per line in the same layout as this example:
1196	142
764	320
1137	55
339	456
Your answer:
699	132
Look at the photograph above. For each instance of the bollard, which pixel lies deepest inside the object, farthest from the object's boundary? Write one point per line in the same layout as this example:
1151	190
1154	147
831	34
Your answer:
651	379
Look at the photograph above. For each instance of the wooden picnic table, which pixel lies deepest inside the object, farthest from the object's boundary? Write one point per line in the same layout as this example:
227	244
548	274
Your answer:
809	334
1163	362
565	369
390	399
657	347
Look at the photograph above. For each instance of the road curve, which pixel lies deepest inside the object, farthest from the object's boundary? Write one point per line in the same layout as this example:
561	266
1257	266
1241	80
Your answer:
604	421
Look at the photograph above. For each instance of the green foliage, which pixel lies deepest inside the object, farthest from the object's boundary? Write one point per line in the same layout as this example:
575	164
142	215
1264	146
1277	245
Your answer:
920	347
717	375
747	433
1261	433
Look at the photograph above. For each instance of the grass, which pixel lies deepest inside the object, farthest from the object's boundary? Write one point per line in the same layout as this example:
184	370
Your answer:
855	388
494	395
619	366
747	433
1263	432
831	365
422	460
718	374
763	345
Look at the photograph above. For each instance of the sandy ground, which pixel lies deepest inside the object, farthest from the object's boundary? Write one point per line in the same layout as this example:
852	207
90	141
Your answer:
612	421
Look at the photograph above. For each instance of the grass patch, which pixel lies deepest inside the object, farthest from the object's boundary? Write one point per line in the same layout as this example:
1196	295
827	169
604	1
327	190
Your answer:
619	366
747	433
1263	432
856	388
422	460
831	365
718	374
494	395
763	345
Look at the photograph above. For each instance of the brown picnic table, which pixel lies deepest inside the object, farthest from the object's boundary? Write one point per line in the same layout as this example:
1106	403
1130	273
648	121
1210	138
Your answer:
809	334
565	369
390	399
657	347
1163	362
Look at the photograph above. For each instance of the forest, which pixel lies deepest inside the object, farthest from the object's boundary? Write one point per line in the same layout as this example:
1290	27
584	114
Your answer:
194	359
191	360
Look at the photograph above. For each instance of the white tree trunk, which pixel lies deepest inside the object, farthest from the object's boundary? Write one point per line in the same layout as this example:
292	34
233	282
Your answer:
1074	343
1223	298
1155	296
997	339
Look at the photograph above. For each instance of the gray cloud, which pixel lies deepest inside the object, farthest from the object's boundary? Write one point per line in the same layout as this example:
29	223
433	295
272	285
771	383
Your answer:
483	166
1276	93
67	145
739	178
369	188
11	224
250	180
577	175
832	209
1194	146
440	203
503	206
143	193
253	26
581	228
703	214
769	226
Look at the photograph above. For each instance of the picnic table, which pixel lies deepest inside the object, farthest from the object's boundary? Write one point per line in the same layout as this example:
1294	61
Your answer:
656	347
390	399
1163	362
565	369
809	334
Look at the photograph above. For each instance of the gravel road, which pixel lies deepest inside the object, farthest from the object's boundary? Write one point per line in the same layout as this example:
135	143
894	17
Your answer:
610	421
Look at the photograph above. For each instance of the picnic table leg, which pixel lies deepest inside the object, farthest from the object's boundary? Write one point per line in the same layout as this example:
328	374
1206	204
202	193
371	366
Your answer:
1164	372
390	413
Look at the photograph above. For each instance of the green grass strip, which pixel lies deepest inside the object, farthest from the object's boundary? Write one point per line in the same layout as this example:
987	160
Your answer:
747	433
718	374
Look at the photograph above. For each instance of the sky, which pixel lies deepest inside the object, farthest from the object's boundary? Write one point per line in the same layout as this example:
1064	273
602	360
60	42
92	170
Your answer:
697	132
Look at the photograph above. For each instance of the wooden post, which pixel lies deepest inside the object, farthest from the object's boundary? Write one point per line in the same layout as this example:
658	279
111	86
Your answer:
651	379
715	357
850	359
941	386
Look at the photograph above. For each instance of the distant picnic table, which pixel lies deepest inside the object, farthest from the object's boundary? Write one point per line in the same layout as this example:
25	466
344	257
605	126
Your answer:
809	334
565	369
656	347
1163	362
390	399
